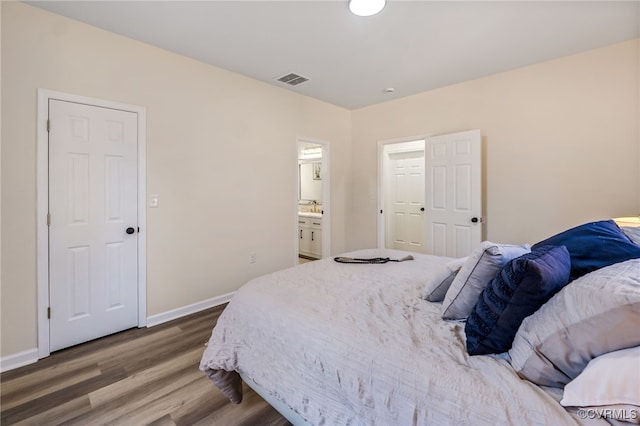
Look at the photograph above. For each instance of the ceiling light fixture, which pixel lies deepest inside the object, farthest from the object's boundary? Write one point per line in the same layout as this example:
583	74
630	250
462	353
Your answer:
366	7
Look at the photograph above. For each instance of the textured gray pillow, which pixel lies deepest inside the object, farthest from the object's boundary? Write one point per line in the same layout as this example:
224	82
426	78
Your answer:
593	315
440	280
478	270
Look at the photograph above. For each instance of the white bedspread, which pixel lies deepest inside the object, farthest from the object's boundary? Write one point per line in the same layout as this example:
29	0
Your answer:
355	344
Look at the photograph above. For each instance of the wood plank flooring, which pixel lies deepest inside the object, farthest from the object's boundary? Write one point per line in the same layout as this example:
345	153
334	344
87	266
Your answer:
145	376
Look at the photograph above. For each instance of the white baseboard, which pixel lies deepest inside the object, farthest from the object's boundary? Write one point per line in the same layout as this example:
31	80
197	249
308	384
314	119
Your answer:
18	360
29	357
188	310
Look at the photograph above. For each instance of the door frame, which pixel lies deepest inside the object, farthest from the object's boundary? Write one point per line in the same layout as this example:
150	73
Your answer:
382	176
42	206
326	197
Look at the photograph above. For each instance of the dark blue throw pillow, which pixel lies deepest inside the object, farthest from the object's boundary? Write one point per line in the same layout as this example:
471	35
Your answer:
520	288
593	246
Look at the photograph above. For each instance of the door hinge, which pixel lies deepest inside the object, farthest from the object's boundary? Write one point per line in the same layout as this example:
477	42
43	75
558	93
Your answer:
48	219
49	312
48	125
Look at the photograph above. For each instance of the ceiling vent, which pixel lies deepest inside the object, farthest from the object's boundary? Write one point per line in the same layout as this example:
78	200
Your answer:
292	79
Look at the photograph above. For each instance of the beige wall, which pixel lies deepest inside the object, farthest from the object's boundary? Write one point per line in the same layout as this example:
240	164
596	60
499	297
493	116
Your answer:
561	143
221	154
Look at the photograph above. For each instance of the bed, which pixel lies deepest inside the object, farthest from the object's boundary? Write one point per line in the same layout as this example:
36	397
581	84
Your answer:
357	344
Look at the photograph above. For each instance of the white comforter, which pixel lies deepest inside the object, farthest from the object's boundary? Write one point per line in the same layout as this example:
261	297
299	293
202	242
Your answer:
355	344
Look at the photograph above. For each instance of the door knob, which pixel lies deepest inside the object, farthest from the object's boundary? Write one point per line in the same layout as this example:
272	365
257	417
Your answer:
421	209
474	219
130	230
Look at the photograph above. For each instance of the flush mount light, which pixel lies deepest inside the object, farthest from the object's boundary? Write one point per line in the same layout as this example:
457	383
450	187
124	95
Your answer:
366	7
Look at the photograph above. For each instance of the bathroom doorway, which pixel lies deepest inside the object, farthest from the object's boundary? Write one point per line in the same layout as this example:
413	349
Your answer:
312	201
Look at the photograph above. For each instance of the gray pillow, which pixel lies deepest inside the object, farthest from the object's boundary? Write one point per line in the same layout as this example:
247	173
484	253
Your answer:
593	315
478	270
440	280
633	232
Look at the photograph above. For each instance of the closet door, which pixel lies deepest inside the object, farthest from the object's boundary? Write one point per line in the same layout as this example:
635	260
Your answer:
454	193
93	239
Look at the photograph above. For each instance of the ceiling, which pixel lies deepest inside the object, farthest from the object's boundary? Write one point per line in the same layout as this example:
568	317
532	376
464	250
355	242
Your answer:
411	46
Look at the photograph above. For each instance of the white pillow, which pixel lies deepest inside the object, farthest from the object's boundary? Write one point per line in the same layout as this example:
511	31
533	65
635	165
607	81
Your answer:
612	378
440	280
478	270
609	381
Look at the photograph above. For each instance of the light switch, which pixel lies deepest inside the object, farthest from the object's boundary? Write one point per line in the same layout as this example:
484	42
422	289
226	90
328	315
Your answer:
153	200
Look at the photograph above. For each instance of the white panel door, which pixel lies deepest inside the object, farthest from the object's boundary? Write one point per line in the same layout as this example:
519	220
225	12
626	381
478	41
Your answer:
454	185
405	205
93	232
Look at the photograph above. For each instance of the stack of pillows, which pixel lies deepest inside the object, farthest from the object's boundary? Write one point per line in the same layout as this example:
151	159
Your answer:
517	299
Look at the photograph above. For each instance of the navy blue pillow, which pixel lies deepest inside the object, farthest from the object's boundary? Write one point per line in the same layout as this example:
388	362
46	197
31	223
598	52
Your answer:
520	288
593	246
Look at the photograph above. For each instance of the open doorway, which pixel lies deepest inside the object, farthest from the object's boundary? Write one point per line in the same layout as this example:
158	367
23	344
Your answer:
402	202
430	194
312	200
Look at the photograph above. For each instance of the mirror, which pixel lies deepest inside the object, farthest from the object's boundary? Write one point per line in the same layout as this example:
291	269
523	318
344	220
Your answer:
310	180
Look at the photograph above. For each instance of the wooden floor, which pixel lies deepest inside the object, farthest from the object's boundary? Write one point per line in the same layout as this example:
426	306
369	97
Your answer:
146	376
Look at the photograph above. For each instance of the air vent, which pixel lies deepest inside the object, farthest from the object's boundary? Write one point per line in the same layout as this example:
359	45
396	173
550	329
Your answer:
292	79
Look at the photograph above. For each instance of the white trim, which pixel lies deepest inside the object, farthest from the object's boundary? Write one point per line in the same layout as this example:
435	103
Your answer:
20	359
382	159
42	233
326	197
32	356
158	319
42	197
142	216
